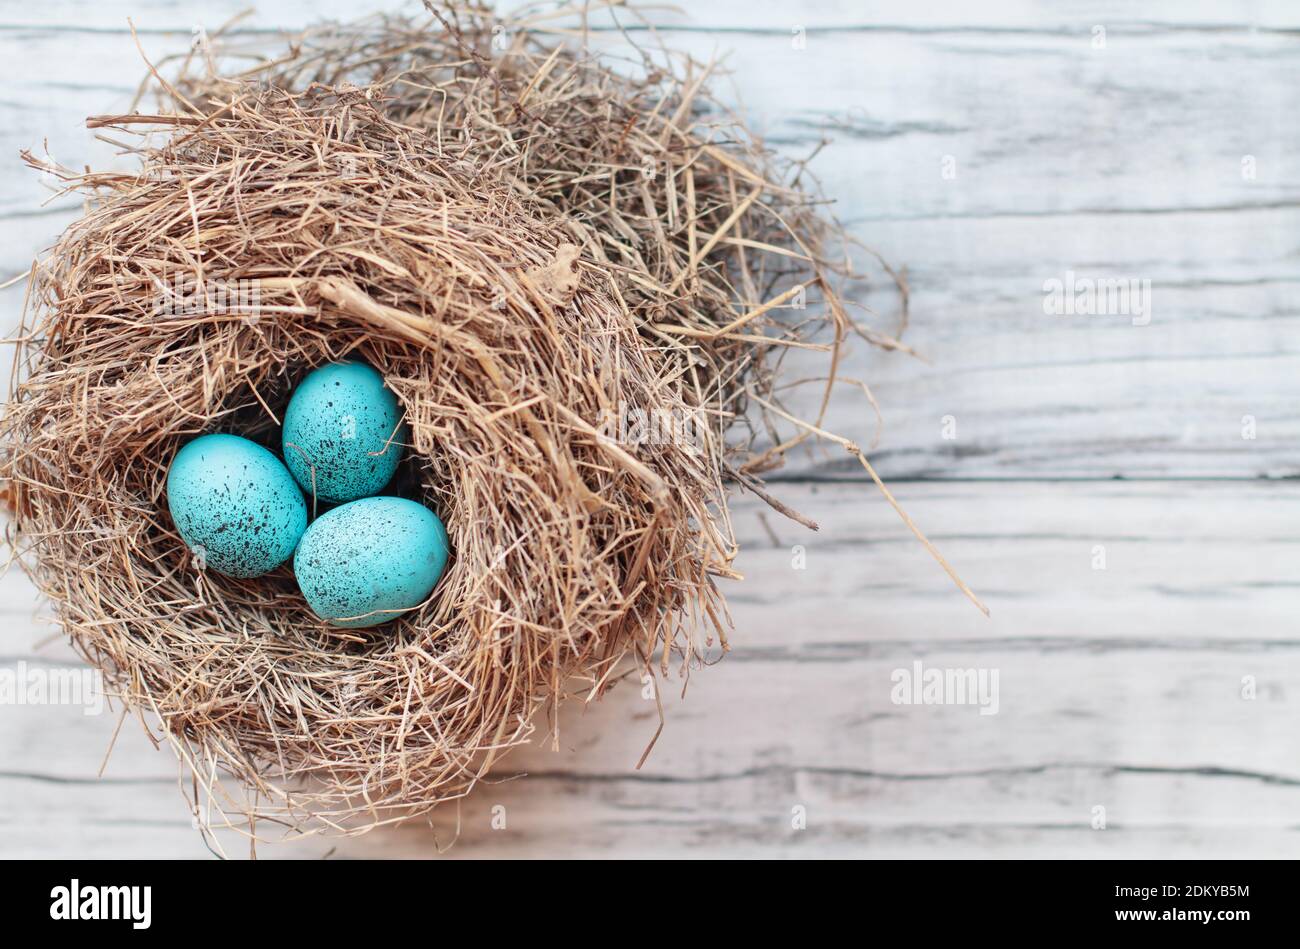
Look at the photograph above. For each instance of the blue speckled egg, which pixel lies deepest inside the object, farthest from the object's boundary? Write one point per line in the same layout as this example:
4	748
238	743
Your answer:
363	563
343	423
235	505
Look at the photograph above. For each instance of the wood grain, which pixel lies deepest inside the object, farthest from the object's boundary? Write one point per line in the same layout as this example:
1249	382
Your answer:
1115	163
1119	687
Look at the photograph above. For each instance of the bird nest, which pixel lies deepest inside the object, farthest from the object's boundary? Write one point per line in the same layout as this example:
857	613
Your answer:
578	279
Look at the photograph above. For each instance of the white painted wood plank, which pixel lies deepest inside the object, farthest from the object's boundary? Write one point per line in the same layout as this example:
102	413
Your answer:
998	815
1113	164
1151	123
1118	687
950	16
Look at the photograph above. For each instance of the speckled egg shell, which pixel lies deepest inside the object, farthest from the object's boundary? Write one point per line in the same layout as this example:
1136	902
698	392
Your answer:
363	563
341	421
235	505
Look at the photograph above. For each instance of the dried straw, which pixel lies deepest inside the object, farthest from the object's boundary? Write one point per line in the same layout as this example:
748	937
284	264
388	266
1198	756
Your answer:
722	252
531	245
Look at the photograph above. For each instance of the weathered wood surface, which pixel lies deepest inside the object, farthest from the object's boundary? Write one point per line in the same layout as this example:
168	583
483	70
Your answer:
1122	162
1119	687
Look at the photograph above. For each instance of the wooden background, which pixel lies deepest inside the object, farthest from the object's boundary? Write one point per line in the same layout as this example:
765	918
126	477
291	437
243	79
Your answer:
1119	688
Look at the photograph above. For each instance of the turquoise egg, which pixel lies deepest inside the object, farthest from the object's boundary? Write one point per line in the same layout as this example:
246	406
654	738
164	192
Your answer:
235	505
343	422
363	563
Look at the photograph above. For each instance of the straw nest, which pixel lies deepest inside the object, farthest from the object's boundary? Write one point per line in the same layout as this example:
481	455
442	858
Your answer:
534	248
